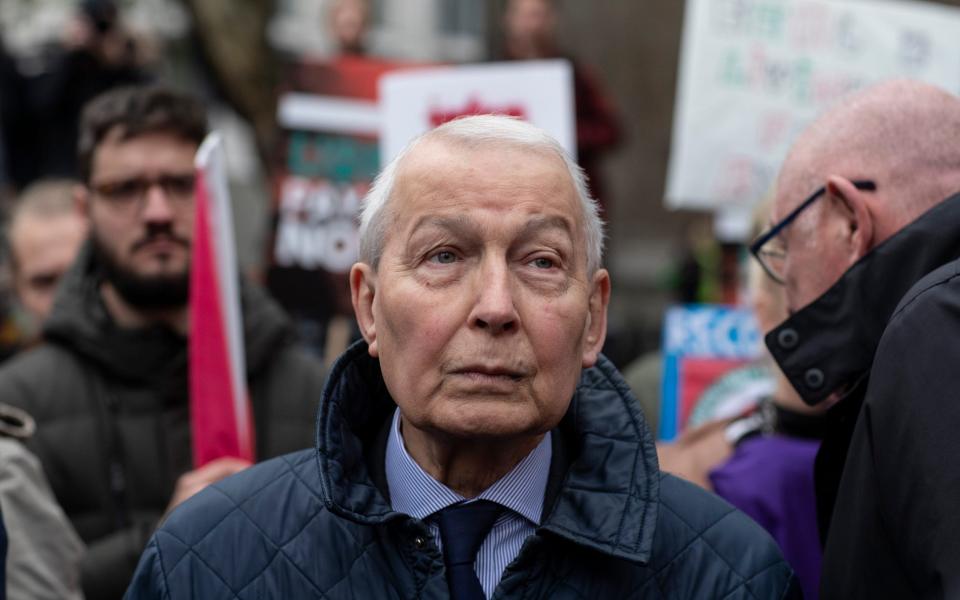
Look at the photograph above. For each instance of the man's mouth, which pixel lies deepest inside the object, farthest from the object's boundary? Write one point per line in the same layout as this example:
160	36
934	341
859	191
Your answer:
482	373
160	244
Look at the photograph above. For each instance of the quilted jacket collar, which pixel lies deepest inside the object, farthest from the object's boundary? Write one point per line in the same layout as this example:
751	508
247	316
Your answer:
603	491
830	343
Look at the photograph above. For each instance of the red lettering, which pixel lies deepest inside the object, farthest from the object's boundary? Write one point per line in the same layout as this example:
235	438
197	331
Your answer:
474	106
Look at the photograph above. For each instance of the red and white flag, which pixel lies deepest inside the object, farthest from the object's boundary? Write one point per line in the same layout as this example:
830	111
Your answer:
220	414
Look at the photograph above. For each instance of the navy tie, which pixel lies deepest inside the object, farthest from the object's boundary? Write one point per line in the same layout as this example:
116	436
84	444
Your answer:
463	527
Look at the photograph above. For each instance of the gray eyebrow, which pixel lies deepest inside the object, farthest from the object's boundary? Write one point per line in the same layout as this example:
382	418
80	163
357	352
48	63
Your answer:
463	225
540	223
459	224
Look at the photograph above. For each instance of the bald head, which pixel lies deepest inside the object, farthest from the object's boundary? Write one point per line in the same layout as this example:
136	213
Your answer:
467	134
44	235
904	135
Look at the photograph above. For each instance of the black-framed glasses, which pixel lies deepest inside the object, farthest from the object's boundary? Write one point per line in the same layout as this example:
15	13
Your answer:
772	256
129	195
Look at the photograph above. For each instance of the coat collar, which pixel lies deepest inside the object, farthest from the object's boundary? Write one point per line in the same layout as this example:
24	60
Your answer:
829	344
603	490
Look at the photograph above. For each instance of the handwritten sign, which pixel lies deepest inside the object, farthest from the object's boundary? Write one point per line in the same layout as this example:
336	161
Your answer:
414	102
755	73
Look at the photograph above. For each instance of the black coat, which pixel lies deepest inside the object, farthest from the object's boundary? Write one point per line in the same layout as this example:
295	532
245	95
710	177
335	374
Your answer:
112	413
887	335
318	523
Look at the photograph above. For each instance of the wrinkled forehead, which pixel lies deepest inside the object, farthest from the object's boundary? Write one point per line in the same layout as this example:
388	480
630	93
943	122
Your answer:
440	175
154	146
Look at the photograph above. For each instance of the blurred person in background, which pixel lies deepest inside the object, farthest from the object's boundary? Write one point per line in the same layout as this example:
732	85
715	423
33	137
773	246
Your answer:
530	33
863	237
108	387
44	234
43	562
349	21
97	52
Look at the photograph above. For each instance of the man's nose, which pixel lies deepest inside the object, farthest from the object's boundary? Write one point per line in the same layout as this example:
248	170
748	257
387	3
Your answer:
156	205
495	309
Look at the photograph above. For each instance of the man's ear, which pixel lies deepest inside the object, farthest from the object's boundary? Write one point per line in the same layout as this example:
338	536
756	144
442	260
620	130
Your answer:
363	288
596	332
858	225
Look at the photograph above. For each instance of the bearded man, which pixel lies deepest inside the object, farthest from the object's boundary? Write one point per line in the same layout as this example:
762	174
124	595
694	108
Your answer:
109	386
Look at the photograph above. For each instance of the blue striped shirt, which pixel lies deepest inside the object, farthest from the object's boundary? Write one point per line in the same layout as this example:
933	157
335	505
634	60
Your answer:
414	492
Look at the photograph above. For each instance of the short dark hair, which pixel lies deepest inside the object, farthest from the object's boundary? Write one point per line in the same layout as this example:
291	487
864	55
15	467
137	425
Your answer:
138	110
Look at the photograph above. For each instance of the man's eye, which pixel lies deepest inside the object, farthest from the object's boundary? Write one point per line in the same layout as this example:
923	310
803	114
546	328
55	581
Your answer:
543	263
444	257
121	190
178	185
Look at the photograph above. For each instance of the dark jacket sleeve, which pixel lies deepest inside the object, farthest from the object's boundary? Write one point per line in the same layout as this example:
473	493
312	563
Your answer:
896	519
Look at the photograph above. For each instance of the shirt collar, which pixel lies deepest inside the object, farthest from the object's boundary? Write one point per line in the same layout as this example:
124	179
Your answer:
414	492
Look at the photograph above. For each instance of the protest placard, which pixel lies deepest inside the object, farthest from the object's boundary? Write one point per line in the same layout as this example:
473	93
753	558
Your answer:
754	73
540	92
701	344
330	121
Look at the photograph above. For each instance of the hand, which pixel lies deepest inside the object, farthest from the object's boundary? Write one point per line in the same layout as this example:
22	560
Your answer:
192	482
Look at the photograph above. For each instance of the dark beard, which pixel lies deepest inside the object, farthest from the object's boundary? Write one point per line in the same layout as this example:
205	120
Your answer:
158	292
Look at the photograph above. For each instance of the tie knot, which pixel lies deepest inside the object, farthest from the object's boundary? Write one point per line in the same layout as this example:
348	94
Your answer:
463	527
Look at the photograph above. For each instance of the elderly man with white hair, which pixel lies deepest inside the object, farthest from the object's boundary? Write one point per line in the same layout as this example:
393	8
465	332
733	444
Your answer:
475	444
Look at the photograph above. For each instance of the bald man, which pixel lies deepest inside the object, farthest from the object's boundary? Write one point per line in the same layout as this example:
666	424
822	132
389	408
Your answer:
45	234
864	236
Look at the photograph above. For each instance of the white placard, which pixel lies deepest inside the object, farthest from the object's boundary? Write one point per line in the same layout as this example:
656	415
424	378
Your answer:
754	73
414	102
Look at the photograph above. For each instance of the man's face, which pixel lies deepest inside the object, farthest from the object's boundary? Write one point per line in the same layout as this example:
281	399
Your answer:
530	22
815	255
44	248
141	205
481	311
349	21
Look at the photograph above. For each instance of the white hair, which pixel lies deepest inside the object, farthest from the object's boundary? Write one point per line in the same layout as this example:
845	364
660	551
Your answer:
473	132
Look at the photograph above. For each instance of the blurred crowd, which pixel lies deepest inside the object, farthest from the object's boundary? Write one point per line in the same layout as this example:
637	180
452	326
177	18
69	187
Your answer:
96	182
76	519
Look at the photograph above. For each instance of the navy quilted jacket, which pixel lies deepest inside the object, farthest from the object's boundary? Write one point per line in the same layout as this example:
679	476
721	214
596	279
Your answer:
318	523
